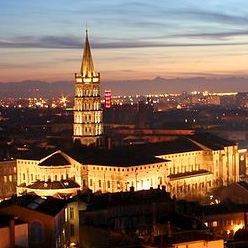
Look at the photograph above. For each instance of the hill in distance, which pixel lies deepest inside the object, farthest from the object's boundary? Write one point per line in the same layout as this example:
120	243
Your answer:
36	88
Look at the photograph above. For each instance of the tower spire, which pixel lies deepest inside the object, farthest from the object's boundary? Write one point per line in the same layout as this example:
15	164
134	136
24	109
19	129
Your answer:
87	67
87	125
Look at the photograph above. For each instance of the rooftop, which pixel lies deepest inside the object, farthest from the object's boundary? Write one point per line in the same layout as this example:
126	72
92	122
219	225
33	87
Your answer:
181	221
211	141
191	236
100	201
51	185
114	157
243	184
46	205
180	145
5	218
57	159
224	208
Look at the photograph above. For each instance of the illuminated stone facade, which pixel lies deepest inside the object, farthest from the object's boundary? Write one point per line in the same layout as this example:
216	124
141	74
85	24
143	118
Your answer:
95	177
190	173
8	179
87	126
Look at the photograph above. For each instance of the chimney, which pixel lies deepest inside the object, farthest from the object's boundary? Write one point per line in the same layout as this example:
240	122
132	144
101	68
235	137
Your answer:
12	232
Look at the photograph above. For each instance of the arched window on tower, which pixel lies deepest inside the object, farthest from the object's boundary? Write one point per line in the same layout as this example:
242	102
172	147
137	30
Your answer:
99	118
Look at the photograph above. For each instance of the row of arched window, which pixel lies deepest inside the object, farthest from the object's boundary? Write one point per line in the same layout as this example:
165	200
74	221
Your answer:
88	118
96	130
34	177
88	106
87	92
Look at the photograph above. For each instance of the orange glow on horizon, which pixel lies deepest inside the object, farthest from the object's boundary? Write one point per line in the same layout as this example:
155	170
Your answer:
125	64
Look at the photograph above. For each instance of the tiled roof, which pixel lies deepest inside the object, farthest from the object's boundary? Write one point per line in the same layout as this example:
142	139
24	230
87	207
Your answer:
211	141
5	218
116	157
100	201
56	159
183	222
179	145
47	205
243	185
46	185
224	208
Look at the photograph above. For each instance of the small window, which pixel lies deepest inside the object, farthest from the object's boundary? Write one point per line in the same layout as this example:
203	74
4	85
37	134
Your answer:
71	213
72	231
118	185
215	224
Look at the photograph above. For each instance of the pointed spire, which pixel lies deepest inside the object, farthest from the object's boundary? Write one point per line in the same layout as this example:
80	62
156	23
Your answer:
87	67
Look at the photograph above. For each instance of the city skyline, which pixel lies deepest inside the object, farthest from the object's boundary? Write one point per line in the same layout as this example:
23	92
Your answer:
130	40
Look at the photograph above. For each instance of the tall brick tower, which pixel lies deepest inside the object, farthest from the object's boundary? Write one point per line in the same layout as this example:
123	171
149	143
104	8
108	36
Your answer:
87	125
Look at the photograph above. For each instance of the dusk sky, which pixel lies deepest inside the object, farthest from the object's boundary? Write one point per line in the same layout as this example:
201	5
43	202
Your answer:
129	39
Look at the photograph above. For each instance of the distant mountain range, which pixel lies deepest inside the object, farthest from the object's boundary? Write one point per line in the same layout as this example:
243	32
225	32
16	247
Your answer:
36	88
157	85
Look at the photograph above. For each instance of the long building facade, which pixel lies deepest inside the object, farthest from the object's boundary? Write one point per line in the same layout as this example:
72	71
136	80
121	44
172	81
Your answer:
191	170
187	167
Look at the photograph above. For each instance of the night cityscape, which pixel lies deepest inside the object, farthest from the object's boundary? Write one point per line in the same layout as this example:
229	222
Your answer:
124	124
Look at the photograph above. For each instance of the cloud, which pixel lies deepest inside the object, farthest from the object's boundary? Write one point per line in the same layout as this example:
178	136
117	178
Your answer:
41	42
214	35
62	42
217	17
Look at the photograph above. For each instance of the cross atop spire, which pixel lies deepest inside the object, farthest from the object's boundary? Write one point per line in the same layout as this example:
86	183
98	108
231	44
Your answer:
87	67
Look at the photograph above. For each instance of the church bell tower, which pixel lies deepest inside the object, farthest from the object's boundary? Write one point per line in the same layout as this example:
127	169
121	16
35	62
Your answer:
87	125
